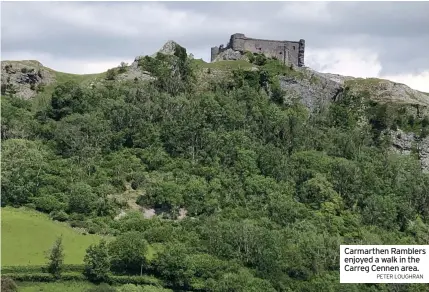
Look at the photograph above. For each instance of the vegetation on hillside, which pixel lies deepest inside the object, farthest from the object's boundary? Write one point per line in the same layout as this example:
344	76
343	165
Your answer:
270	191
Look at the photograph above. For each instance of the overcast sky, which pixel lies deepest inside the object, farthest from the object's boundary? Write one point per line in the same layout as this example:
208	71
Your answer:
363	39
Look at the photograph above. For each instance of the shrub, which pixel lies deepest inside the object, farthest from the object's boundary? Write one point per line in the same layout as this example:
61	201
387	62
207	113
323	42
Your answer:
123	67
33	277
24	70
3	89
30	206
40	87
59	216
47	203
79	224
250	56
110	74
137	280
260	60
8	285
38	269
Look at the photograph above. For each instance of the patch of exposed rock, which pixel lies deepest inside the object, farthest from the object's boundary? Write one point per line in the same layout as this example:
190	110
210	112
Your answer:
134	72
405	143
313	89
149	213
24	78
230	55
167	49
388	91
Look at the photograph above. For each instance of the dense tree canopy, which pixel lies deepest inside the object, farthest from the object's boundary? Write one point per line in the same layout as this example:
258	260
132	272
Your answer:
270	191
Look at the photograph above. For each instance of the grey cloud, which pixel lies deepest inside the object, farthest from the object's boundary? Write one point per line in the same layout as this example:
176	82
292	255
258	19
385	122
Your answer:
397	31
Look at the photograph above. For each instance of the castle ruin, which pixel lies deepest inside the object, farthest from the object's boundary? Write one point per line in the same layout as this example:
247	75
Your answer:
286	51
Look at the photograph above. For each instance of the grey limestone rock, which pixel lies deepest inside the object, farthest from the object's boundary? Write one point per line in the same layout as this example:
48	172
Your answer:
314	90
23	77
168	48
404	143
229	54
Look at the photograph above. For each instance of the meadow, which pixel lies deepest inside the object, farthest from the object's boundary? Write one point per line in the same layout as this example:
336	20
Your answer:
27	235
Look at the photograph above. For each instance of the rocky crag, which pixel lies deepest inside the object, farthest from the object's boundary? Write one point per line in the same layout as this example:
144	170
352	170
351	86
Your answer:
24	78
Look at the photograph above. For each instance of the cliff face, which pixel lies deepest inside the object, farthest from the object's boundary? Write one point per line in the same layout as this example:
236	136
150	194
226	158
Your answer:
24	78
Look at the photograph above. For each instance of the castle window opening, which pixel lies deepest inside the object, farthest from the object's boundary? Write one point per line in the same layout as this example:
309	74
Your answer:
294	47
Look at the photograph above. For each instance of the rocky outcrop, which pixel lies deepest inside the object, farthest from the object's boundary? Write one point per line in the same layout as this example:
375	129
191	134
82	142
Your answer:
311	88
407	143
423	148
387	91
134	72
24	78
230	55
167	49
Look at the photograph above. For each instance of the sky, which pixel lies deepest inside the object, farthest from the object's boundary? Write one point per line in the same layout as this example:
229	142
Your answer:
363	39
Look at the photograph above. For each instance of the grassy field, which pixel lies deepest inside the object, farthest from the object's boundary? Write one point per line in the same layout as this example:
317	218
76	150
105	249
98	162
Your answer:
27	235
54	287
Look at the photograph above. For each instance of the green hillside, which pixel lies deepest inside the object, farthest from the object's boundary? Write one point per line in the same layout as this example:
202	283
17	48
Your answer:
232	176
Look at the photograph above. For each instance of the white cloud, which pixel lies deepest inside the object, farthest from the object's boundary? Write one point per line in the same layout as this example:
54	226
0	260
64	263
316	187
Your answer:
68	65
307	11
360	62
416	81
344	61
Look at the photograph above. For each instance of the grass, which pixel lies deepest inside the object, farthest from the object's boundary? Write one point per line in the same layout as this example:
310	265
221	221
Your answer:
44	97
223	65
365	83
27	235
54	287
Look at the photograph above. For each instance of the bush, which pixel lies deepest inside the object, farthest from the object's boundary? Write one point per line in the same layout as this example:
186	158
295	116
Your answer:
59	216
137	280
39	269
47	203
24	70
43	277
33	277
79	224
260	60
8	285
40	87
122	67
110	74
30	206
250	56
3	89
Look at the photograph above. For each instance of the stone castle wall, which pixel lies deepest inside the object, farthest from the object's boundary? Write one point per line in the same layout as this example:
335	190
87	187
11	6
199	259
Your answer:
289	52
